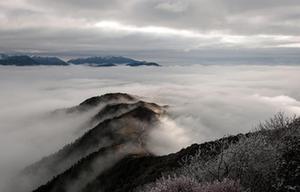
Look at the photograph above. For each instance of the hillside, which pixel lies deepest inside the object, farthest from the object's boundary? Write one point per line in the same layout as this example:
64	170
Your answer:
136	170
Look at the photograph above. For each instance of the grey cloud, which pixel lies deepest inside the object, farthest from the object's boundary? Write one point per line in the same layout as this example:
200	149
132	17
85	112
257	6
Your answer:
192	14
173	6
67	25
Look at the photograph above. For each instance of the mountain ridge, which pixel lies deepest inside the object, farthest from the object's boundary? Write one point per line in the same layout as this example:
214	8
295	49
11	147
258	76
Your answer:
111	129
110	61
107	61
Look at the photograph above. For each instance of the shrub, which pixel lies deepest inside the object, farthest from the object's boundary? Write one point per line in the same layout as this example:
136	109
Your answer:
278	121
172	184
186	184
258	160
279	127
264	161
226	185
288	173
252	161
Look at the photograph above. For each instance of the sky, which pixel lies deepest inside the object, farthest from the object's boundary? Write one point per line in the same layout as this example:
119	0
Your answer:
150	28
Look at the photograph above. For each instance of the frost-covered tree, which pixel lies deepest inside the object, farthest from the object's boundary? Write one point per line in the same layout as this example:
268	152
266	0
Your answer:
255	159
186	184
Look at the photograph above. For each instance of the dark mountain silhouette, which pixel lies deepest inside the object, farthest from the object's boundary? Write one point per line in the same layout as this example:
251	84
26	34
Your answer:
101	60
3	56
140	63
49	60
22	60
110	61
123	121
93	102
25	60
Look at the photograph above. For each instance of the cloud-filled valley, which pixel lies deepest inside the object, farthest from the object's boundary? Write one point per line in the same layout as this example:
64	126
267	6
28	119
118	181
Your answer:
205	103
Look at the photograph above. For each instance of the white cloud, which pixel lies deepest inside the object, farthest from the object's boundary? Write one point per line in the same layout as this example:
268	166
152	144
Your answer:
155	30
200	39
167	137
206	102
286	103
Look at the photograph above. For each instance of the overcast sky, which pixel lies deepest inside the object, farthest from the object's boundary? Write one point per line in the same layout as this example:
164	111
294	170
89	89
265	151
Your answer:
92	26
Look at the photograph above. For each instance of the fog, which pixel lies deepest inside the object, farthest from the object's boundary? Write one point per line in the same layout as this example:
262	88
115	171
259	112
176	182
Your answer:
206	102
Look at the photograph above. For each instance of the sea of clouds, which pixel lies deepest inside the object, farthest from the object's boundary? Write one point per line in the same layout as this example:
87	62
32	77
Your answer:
206	102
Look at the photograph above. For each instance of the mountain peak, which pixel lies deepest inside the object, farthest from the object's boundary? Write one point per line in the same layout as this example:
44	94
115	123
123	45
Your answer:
94	101
121	127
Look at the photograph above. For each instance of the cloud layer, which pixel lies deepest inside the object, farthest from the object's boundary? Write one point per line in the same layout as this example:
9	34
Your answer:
206	102
97	25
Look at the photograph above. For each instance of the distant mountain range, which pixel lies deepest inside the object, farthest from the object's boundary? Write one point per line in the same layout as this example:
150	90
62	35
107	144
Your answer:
25	60
108	61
